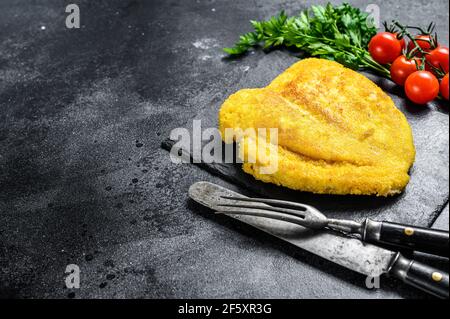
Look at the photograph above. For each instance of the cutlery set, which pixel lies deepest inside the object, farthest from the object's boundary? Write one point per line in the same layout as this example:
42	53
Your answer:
359	246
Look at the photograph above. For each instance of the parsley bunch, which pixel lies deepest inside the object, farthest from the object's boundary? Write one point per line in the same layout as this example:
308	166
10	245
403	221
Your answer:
339	33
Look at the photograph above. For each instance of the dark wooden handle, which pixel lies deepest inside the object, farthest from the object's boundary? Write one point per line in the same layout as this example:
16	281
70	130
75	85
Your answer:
425	240
421	276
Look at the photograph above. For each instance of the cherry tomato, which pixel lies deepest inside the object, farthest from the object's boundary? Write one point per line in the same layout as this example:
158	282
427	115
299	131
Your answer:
439	58
444	87
424	41
402	68
385	47
422	87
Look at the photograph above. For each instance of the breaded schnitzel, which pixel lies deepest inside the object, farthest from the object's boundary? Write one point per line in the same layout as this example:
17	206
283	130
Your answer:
338	133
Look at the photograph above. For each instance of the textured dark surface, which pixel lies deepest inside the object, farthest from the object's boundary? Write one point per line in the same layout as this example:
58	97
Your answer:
83	179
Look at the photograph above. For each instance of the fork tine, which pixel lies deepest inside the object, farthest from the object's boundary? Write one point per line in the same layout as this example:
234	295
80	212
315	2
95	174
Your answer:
267	208
266	214
304	215
269	201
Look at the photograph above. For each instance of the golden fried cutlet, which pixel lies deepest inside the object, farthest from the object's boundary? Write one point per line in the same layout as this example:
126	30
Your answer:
338	133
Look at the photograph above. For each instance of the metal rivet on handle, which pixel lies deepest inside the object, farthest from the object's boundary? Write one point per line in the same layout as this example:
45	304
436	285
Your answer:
437	276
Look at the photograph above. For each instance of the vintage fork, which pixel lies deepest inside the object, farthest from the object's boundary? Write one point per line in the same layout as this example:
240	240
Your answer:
399	235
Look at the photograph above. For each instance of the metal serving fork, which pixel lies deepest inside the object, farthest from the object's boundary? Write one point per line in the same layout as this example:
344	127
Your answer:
404	236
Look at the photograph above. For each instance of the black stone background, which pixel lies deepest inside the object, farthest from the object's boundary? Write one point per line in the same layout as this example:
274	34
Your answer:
83	179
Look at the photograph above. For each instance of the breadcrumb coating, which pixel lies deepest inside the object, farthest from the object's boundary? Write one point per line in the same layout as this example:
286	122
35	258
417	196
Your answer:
338	132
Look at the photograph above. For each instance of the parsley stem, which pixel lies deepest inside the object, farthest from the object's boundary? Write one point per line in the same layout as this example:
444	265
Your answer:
376	66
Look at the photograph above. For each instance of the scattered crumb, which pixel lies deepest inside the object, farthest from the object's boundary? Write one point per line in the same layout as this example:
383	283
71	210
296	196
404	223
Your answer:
205	43
205	57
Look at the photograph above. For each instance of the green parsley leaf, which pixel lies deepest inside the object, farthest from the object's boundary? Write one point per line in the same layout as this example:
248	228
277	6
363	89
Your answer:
340	33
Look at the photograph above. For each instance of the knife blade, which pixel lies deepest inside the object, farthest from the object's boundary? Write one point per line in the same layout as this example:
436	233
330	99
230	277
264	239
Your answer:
351	253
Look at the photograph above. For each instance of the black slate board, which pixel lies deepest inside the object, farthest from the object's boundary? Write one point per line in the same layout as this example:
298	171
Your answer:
424	198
